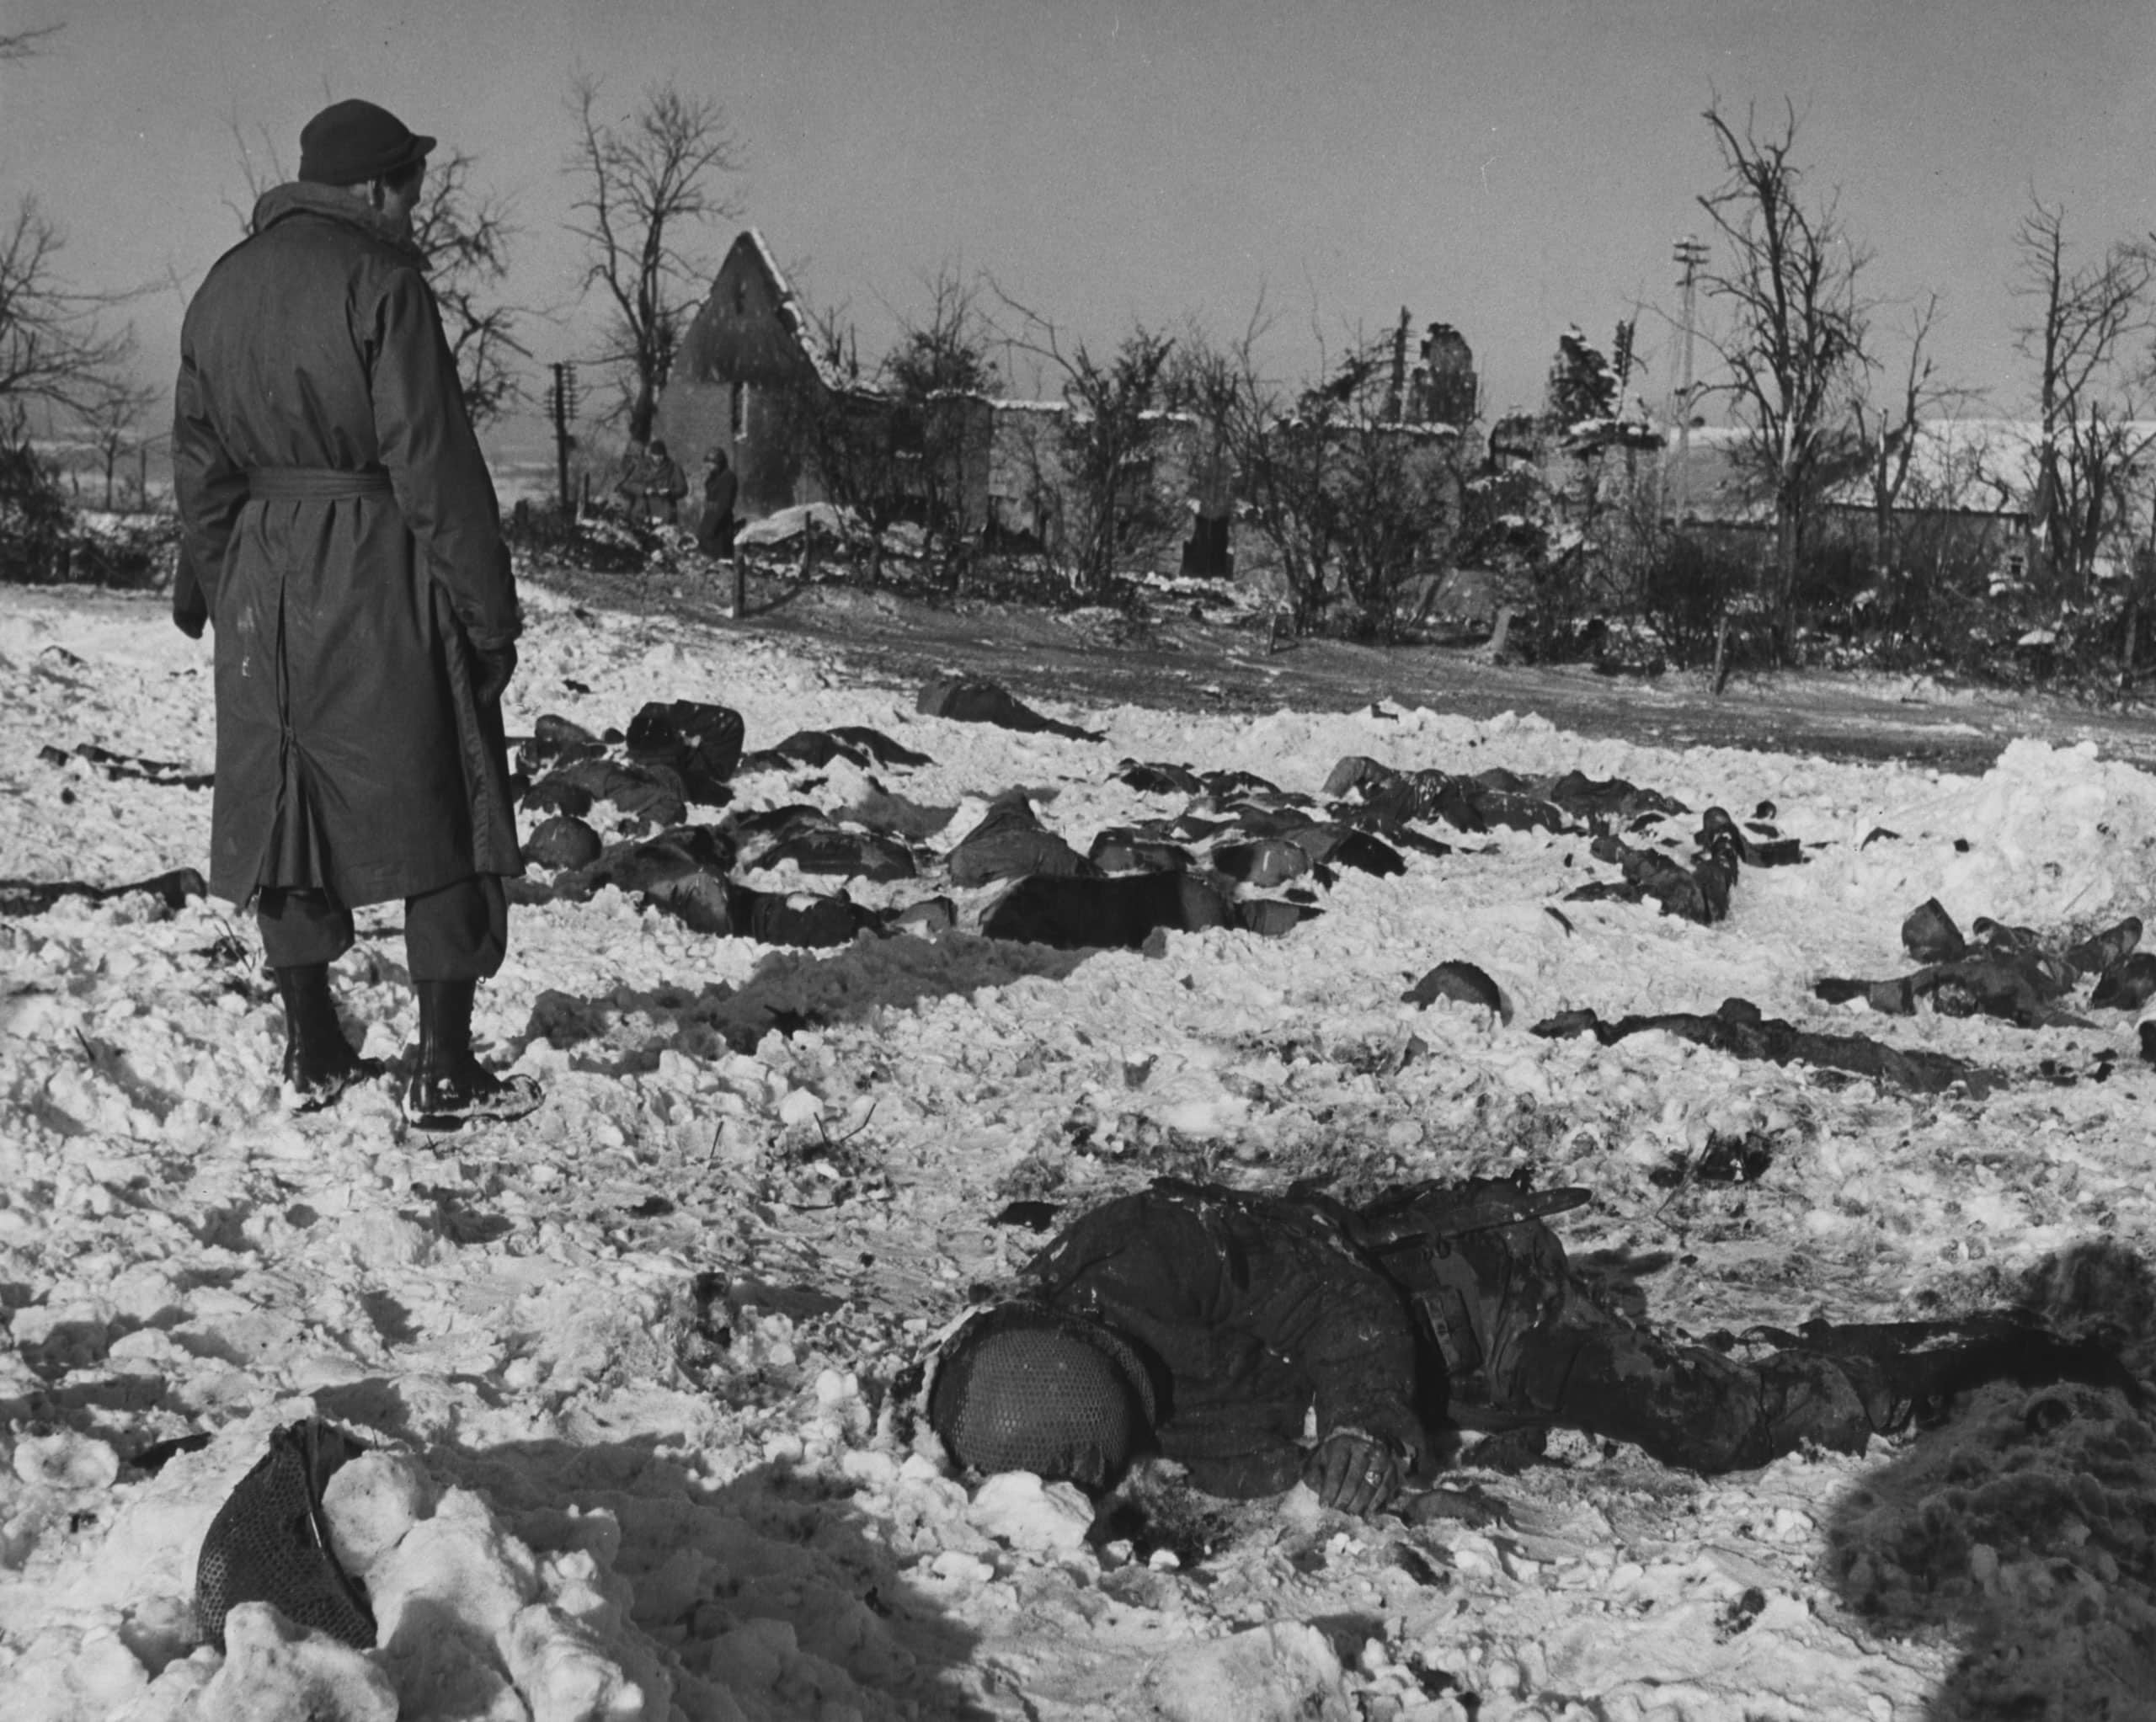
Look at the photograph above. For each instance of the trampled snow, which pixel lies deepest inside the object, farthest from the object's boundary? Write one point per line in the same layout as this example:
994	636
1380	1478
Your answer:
638	1368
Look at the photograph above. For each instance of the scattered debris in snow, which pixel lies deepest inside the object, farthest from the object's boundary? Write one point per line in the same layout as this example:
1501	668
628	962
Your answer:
641	1369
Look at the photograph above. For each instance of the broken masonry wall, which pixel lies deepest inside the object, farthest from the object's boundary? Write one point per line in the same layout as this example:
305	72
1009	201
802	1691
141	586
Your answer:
1442	389
738	382
965	427
1025	473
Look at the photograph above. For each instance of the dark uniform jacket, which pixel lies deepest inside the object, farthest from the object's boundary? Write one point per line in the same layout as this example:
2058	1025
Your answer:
339	527
715	523
1249	1312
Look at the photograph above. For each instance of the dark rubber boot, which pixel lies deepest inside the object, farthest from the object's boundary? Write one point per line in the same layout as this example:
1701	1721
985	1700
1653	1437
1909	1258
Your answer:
319	1062
448	1087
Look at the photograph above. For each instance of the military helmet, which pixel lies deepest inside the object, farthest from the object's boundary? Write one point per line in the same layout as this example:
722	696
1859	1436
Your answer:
270	1544
1025	1388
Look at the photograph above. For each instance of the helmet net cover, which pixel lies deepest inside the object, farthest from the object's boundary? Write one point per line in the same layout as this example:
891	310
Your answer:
269	1543
1023	1388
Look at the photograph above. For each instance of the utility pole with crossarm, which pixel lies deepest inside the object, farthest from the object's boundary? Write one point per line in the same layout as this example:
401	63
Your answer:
1689	254
561	400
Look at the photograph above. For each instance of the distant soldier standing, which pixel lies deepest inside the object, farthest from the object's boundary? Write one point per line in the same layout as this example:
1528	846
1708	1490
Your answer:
339	528
633	484
715	520
662	502
652	483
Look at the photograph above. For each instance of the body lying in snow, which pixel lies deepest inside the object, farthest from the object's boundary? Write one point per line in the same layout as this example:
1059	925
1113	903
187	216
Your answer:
1212	1326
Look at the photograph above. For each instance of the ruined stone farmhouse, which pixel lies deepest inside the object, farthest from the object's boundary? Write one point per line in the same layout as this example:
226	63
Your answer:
739	382
735	376
740	377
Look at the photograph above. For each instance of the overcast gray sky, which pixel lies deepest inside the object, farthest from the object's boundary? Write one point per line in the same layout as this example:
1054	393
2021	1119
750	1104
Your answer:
1509	167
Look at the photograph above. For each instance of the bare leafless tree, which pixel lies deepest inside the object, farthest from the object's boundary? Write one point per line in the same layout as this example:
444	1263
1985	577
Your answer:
1114	515
892	439
465	231
645	179
1351	503
939	368
114	424
1794	341
1277	454
2087	338
841	420
1395	496
1892	428
256	175
55	350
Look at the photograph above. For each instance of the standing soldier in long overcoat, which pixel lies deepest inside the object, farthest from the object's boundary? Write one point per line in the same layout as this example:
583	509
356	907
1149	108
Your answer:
340	532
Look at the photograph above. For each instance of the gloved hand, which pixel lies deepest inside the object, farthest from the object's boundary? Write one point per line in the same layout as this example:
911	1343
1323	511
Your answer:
190	610
492	666
1354	1472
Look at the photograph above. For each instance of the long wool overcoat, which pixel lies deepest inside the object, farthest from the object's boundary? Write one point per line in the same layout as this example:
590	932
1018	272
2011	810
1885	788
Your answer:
353	755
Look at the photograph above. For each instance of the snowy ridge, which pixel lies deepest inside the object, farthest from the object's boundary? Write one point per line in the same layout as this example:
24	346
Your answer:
638	1368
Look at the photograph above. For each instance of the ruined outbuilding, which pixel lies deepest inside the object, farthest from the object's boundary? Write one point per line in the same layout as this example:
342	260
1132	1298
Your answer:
750	373
738	381
1441	390
736	375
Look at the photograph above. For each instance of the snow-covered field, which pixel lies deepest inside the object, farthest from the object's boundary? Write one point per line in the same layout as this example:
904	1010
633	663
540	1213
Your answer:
639	1367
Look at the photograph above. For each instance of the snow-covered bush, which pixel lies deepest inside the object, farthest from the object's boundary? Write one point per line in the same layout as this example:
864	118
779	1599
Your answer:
34	515
44	538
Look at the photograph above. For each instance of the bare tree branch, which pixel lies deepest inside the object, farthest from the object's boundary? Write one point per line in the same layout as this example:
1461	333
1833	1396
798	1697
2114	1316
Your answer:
1890	432
2091	324
645	178
466	234
114	424
256	178
1275	454
1795	347
26	45
890	439
54	350
1114	512
1352	502
937	370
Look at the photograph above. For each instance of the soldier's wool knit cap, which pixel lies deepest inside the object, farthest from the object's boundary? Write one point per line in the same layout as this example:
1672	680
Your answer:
352	141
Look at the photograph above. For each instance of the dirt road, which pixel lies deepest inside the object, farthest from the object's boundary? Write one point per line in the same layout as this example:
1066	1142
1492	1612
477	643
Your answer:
1218	663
